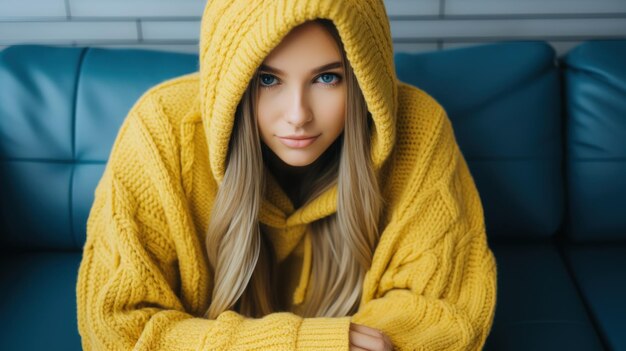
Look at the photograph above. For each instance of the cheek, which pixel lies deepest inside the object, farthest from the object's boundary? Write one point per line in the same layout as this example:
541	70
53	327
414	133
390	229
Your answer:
263	116
333	109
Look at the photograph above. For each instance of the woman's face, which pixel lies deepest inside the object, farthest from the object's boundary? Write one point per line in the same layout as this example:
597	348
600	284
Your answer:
301	95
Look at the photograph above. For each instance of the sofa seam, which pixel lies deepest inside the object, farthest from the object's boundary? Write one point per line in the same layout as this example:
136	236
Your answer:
79	67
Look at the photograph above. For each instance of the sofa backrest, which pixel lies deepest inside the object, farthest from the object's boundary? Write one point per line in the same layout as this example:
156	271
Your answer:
63	107
60	111
595	82
504	101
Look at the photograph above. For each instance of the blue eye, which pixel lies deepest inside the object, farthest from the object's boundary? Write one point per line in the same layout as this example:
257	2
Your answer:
331	75
264	81
327	79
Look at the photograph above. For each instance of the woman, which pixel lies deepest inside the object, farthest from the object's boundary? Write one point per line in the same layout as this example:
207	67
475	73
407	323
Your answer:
291	194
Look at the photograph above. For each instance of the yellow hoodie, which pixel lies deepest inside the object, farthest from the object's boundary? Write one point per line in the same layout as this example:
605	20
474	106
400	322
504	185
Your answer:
144	282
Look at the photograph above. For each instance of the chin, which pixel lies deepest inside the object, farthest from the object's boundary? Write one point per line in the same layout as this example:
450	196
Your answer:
297	160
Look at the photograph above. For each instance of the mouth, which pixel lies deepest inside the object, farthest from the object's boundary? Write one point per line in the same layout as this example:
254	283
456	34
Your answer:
298	142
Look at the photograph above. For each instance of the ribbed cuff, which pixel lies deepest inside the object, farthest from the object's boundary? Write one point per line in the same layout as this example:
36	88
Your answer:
324	333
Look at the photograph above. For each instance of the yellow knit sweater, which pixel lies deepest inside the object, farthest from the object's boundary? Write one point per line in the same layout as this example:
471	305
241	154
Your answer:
144	282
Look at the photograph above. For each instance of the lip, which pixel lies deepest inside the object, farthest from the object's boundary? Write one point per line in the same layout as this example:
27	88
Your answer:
297	141
299	137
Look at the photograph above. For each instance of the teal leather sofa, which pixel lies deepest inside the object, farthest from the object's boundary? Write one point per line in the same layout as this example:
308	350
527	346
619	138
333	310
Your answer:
545	139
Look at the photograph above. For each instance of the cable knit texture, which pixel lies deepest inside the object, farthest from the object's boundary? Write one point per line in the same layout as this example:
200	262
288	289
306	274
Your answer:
144	281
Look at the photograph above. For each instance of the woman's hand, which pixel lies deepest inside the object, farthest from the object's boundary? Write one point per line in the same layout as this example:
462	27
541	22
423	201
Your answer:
364	338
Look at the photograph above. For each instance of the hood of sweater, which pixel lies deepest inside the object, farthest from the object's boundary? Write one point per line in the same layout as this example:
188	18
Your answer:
237	35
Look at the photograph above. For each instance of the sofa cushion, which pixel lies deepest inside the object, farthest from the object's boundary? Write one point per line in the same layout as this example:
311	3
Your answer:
599	272
38	301
37	87
595	82
504	102
538	307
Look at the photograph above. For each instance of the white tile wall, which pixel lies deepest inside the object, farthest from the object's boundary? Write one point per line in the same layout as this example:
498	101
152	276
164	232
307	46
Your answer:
417	25
67	32
533	7
171	30
22	9
412	7
447	29
190	49
137	8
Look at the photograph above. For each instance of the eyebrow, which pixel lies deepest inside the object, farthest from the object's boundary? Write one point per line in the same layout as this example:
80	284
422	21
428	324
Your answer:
319	69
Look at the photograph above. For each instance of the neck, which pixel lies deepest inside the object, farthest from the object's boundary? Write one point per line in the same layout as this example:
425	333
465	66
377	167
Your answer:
290	178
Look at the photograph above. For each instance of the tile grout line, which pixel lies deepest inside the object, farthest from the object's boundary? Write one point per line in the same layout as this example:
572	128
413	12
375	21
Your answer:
139	31
68	11
442	9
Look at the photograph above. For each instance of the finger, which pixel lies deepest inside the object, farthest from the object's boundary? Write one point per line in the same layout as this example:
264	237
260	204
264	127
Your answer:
366	341
388	343
356	348
366	330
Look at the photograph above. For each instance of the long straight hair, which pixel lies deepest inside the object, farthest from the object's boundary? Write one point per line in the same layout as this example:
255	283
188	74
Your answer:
343	243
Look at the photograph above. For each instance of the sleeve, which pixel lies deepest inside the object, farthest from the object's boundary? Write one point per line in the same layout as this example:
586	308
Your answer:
129	275
436	289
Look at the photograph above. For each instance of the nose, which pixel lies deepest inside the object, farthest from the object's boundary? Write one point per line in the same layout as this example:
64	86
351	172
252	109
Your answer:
299	113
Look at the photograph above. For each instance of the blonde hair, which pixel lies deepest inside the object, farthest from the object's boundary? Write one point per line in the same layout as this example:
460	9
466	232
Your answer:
343	243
